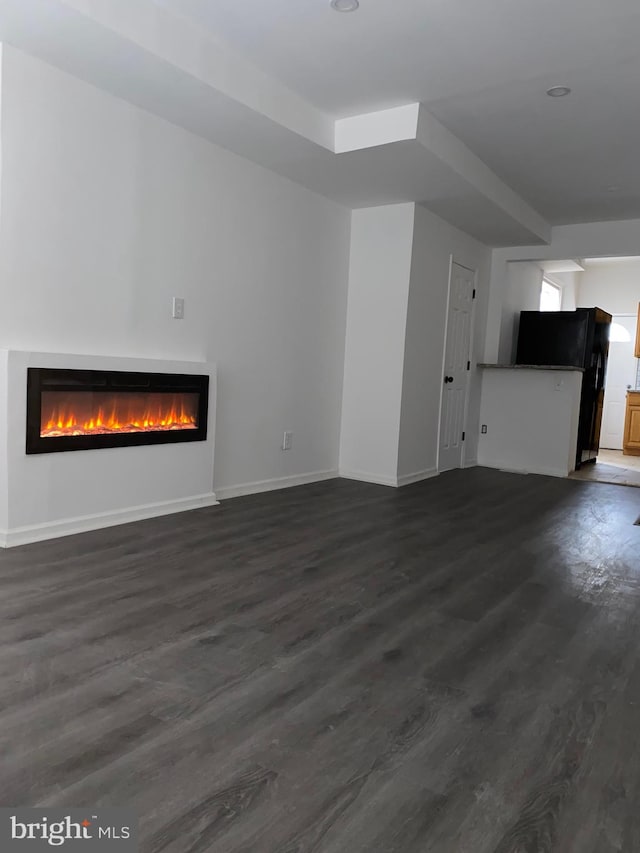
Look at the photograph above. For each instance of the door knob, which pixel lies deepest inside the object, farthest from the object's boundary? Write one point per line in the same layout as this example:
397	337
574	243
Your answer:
448	379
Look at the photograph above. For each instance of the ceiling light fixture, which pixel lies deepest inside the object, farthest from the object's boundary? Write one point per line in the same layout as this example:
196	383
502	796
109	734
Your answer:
558	91
345	5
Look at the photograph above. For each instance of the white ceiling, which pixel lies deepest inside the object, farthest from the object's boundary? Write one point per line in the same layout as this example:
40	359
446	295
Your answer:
268	79
482	68
395	51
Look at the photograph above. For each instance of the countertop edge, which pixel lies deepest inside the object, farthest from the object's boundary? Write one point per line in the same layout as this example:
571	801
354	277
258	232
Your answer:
564	367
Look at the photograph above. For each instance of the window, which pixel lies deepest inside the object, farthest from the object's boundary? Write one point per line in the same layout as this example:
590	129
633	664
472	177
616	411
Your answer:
618	334
550	296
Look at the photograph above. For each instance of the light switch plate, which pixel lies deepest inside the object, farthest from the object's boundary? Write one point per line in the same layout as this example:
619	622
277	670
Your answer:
177	308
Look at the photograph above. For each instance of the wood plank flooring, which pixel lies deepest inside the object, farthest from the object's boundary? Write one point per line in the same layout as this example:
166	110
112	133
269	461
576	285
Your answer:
338	668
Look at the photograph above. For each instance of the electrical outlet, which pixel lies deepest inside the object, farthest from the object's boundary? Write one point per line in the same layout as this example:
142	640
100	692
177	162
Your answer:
287	440
484	429
177	308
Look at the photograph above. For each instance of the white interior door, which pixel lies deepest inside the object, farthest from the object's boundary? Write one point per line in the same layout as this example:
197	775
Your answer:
456	368
621	373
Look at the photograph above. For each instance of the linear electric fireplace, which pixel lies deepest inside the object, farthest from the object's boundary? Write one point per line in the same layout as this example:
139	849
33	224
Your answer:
91	409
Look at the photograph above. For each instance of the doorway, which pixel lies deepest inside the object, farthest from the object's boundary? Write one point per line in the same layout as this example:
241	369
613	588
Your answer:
456	367
621	376
611	467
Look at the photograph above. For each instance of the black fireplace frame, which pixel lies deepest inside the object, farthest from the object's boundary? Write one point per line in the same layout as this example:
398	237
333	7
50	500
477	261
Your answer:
41	379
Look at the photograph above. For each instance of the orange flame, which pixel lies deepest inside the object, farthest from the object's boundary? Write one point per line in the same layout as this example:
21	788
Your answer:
77	413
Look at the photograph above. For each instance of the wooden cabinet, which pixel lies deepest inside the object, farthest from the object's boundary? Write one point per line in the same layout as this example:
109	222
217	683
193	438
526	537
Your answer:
631	440
638	334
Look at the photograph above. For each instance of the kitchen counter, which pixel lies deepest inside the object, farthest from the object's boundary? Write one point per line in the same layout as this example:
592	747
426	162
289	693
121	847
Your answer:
529	418
533	367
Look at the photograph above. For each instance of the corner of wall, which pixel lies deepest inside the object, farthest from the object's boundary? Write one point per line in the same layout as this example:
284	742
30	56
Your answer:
4	465
379	275
436	245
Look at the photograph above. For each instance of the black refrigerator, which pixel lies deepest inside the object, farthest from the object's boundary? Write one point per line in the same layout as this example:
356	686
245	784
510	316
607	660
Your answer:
573	339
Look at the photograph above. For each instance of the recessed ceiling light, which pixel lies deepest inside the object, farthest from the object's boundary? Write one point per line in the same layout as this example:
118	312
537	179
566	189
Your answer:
345	5
558	91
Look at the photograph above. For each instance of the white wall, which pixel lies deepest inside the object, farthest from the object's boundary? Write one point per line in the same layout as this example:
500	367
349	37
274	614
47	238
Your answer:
435	242
379	274
524	281
55	494
589	240
396	322
613	286
532	420
522	293
108	211
4	468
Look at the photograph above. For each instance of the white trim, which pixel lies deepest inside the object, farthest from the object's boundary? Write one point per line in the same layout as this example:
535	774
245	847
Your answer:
608	260
444	356
464	266
472	343
551	472
226	492
82	524
467	393
366	477
417	476
470	463
540	472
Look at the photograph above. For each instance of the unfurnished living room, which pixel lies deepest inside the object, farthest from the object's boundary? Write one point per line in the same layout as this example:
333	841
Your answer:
318	318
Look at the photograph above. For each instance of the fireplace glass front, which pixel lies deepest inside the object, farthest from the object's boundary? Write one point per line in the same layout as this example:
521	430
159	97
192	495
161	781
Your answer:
91	409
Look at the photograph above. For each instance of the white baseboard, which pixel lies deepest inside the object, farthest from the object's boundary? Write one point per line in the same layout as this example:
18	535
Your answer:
81	524
417	476
226	492
471	463
550	472
365	477
542	472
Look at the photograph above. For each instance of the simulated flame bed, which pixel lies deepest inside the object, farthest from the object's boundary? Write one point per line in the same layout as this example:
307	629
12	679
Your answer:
92	409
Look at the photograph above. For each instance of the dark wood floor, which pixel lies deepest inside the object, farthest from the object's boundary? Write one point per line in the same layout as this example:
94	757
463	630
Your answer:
449	667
